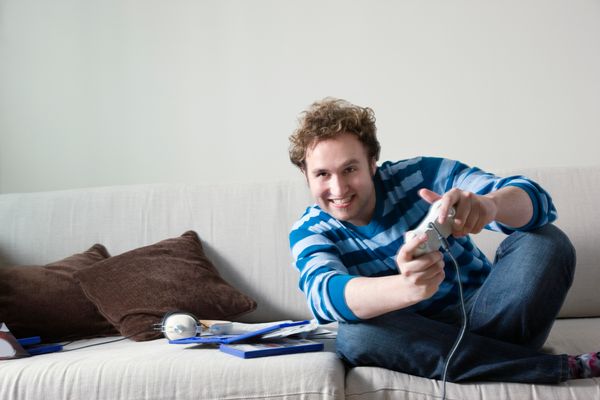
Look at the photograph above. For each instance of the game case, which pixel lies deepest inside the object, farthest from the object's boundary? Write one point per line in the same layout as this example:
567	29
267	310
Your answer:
271	348
29	341
33	345
43	349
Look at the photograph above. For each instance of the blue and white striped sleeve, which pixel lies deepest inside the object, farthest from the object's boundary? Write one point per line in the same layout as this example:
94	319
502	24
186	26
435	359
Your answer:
480	182
323	276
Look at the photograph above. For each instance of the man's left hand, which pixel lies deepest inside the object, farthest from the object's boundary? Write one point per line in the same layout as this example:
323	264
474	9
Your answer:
473	212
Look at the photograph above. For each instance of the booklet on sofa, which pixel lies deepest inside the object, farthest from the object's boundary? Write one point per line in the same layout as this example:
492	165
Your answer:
238	328
272	331
271	348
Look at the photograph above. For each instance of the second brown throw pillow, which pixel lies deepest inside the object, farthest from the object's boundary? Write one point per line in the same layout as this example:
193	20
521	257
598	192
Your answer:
135	289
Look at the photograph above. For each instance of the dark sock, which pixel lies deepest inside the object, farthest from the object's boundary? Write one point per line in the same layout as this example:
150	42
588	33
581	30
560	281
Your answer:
584	366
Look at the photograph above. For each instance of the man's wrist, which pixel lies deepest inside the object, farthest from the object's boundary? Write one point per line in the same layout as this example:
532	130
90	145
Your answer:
513	206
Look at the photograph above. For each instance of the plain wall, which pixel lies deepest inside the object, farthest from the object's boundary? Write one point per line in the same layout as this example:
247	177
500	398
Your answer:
111	92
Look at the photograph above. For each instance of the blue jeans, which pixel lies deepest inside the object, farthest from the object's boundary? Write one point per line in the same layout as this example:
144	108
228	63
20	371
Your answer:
509	319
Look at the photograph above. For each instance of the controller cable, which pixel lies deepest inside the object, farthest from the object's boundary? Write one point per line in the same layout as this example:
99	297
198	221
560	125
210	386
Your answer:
446	247
100	343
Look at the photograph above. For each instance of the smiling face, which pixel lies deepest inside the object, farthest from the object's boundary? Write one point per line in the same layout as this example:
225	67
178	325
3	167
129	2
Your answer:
340	178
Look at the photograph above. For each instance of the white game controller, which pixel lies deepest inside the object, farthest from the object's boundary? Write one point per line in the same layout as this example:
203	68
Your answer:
433	242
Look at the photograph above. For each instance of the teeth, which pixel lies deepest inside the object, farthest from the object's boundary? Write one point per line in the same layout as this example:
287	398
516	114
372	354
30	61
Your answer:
341	201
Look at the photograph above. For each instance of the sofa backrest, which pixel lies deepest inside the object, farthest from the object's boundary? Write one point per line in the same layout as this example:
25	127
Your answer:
244	229
575	192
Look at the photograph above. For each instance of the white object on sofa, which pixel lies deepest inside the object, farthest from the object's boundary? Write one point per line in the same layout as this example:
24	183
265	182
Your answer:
244	231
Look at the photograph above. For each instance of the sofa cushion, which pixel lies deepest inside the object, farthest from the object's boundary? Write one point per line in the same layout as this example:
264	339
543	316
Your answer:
372	383
47	301
134	290
154	370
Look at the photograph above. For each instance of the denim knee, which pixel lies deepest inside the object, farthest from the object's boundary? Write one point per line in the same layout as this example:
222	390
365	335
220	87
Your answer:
560	248
548	240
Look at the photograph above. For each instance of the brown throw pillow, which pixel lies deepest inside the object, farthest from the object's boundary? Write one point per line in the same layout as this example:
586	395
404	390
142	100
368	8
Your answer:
134	290
47	301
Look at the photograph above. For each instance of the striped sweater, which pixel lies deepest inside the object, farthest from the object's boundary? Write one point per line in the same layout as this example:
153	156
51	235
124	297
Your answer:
328	252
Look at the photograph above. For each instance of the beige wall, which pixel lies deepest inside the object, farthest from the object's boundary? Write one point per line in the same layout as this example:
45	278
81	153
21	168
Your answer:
112	92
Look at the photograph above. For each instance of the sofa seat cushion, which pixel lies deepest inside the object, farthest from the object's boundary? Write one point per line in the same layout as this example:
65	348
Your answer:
156	370
571	336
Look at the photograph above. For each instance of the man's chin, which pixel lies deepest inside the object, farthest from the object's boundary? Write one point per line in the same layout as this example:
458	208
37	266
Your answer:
339	215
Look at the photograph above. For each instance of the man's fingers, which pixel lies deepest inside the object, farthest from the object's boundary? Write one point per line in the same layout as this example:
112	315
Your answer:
427	262
428	195
424	273
448	200
411	243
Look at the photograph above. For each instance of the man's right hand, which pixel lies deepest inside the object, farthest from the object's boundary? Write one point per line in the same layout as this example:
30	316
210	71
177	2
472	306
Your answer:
419	279
421	276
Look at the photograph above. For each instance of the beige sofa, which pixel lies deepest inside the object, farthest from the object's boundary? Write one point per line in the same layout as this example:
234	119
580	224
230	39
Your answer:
244	232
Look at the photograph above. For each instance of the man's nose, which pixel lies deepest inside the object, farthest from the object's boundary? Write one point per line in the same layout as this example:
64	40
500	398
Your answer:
337	185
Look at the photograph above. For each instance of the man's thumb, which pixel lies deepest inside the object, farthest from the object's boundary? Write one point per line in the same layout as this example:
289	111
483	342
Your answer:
429	196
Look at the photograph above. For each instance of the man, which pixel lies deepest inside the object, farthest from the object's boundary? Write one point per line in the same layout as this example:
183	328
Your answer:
400	311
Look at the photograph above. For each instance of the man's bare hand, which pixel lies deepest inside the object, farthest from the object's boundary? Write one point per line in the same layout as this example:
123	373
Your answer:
473	212
421	276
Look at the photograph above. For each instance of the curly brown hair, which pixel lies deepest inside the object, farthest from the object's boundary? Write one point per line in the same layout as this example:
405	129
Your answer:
329	118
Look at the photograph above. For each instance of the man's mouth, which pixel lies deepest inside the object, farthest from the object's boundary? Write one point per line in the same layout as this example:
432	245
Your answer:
341	203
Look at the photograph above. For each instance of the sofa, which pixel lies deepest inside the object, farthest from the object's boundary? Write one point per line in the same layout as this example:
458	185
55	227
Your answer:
243	229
